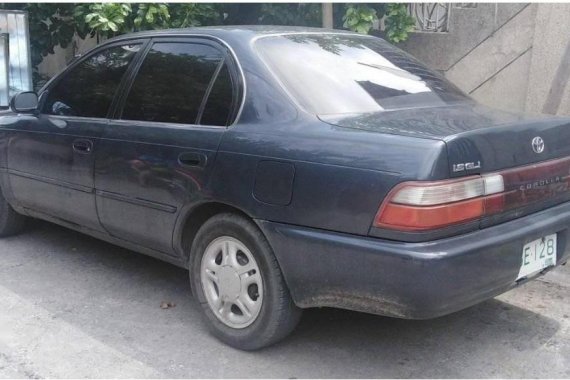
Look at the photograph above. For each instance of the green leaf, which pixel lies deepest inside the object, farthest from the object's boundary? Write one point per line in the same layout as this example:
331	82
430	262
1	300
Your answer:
149	17
113	26
359	18
90	17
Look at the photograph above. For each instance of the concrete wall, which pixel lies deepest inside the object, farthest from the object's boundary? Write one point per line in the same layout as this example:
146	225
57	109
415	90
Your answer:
510	56
54	63
549	74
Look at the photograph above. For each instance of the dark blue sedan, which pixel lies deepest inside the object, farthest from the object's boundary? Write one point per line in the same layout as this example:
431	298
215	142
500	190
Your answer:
290	168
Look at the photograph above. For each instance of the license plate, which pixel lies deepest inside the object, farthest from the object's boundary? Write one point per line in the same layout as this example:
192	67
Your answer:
537	255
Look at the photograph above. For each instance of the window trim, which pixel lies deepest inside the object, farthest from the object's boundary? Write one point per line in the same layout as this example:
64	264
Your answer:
238	87
232	115
206	96
44	92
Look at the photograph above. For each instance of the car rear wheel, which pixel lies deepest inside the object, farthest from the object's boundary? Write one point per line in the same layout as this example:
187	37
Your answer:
239	285
11	223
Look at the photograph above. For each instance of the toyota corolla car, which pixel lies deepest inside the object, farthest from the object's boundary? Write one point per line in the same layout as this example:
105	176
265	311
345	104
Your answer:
290	168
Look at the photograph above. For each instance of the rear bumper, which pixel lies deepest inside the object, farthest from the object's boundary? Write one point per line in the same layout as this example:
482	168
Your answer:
409	280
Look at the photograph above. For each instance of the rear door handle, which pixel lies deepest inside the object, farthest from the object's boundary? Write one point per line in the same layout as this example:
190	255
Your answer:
82	146
192	159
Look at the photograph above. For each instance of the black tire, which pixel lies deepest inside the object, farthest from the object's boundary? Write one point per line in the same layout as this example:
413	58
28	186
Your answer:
11	223
278	315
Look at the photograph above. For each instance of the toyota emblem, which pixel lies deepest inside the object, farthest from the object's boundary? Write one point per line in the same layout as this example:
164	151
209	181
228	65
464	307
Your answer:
538	144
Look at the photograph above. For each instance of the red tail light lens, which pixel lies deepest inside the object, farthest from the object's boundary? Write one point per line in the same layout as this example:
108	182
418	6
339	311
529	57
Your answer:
420	206
417	206
412	218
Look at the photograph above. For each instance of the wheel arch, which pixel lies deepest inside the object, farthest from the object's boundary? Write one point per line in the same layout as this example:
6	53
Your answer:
193	218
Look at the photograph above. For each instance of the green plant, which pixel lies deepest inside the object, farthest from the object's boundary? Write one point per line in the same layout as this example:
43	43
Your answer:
184	15
398	22
359	18
151	16
106	19
109	19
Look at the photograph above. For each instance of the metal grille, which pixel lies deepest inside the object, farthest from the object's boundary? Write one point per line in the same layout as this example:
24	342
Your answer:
431	17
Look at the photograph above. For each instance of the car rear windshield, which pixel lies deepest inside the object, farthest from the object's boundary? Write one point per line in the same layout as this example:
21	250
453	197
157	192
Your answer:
335	73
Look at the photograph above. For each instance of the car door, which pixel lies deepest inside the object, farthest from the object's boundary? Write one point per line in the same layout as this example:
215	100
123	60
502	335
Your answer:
50	156
157	153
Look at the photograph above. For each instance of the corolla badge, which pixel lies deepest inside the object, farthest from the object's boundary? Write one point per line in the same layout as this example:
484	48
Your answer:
538	144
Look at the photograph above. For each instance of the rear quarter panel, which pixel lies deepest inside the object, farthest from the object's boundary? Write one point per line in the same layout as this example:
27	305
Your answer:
340	176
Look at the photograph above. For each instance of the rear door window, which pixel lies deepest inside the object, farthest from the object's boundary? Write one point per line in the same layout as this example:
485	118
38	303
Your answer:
172	84
88	89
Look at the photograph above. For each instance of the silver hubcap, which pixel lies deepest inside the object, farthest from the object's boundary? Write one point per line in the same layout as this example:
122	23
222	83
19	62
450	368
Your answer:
232	282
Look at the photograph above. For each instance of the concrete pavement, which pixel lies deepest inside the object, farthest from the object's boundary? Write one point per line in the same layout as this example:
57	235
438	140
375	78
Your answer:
72	306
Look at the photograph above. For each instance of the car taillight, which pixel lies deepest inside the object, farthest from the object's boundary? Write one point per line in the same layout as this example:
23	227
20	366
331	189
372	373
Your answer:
418	206
421	206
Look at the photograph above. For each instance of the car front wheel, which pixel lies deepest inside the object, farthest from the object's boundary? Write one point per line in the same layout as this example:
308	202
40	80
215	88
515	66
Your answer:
239	285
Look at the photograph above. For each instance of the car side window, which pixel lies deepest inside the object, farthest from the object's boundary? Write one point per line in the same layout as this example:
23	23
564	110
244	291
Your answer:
172	82
219	102
88	89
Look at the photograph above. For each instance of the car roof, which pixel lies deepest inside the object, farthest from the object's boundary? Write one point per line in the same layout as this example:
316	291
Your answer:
235	31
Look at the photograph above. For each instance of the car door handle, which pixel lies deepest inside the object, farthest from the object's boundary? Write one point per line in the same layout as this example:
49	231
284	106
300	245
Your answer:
192	159
82	146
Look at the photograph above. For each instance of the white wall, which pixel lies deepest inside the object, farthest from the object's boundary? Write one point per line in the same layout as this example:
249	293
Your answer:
504	55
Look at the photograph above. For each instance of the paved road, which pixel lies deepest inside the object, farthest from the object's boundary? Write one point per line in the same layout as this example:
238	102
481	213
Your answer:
72	306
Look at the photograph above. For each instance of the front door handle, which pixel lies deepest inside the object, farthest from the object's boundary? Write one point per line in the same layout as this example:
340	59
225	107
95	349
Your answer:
192	159
82	146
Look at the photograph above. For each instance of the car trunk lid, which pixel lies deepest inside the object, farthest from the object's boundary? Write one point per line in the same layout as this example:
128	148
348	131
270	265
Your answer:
531	153
479	139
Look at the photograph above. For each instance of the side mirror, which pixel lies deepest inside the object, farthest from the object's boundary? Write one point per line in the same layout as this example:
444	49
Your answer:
24	102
